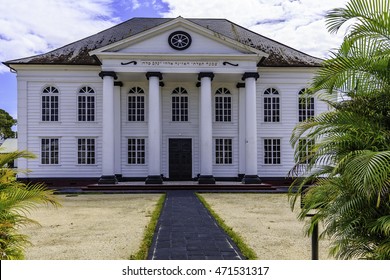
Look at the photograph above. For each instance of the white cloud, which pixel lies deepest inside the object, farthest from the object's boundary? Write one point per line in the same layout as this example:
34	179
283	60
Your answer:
135	4
296	23
31	27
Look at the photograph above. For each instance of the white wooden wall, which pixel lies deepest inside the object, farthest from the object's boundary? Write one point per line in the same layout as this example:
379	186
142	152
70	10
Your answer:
288	82
31	129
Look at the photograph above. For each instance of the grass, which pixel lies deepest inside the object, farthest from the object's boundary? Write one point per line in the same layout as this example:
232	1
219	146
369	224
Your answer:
147	240
244	248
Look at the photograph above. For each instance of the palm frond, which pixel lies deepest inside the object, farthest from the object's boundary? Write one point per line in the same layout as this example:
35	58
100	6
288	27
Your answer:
359	65
363	12
16	201
348	168
9	157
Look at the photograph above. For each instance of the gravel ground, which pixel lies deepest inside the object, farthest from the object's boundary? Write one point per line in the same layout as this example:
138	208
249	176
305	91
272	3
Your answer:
267	224
91	227
110	227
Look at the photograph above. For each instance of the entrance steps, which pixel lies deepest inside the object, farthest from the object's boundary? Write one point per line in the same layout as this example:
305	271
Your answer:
177	185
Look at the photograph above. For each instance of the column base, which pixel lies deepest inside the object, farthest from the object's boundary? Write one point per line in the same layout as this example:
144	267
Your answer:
154	179
110	179
206	179
240	176
119	177
251	179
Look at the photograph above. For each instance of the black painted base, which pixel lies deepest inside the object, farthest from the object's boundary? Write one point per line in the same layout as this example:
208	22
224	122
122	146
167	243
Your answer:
251	179
154	179
206	179
108	180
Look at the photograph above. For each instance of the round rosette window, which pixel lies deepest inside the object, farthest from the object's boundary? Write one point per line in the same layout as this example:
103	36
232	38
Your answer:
179	40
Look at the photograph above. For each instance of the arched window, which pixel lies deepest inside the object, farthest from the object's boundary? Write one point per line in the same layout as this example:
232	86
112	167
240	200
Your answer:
50	104
305	105
223	105
136	105
86	104
271	105
179	105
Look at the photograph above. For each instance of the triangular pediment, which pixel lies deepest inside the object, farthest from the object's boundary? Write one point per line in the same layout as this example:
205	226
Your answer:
127	37
179	37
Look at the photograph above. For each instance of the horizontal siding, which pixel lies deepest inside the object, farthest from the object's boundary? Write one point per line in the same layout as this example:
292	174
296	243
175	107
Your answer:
67	166
288	83
67	129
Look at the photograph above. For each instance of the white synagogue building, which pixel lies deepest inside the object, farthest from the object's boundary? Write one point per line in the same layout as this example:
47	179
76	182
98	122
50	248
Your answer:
159	99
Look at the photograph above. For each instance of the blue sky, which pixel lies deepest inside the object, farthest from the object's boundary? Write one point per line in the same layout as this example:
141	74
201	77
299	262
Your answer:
26	30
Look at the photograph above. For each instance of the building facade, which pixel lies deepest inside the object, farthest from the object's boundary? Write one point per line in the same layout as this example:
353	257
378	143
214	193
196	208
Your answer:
153	99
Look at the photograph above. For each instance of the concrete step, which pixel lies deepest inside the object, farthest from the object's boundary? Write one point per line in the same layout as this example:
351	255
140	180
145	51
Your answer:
234	186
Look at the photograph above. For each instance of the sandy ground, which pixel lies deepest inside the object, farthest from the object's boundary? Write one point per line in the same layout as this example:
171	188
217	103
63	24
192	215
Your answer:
267	224
91	227
111	226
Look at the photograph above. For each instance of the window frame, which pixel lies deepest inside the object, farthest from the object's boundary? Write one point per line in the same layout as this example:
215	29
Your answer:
307	111
89	156
271	105
87	94
49	97
304	146
138	154
223	153
223	105
52	156
136	97
180	97
272	156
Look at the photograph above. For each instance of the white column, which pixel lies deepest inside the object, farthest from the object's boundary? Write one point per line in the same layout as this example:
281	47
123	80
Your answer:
108	138
154	129
250	129
241	129
22	117
206	133
117	129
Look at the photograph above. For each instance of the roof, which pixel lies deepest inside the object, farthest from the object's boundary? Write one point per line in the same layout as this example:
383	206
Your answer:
77	53
9	145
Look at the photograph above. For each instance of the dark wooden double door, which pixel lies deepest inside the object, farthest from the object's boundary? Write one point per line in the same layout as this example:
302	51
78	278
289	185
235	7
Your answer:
180	159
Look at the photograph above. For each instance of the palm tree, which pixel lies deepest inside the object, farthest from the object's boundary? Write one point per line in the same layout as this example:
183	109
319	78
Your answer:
16	200
350	160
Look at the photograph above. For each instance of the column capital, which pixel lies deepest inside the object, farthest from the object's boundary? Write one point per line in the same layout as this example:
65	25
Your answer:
154	74
118	84
250	75
240	85
206	74
103	74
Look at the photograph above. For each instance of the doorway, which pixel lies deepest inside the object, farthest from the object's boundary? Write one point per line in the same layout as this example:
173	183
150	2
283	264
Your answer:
180	159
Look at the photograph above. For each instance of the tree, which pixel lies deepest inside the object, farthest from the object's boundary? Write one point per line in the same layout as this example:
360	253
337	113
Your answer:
6	124
16	200
350	160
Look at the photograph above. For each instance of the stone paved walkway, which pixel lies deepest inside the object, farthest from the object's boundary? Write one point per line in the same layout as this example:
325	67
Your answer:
186	231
